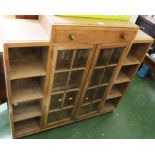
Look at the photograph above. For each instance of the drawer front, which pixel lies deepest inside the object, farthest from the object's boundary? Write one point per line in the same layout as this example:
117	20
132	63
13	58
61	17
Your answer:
93	36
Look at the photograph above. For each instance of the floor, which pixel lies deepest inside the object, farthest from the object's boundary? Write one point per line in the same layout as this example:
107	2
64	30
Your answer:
134	118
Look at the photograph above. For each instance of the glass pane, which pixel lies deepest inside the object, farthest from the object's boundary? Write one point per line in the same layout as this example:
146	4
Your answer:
100	93
70	98
104	56
107	75
65	114
60	81
116	55
54	116
84	109
56	101
95	79
94	107
75	79
64	59
81	57
89	95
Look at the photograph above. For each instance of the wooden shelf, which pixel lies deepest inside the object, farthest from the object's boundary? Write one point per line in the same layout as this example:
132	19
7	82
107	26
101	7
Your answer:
25	70
122	77
131	60
108	107
26	111
25	90
27	126
114	93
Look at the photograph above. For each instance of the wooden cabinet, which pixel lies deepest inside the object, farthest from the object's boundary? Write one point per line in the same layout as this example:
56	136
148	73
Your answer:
71	69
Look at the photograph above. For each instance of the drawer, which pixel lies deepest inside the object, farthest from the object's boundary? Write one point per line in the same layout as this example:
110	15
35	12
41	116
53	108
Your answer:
93	36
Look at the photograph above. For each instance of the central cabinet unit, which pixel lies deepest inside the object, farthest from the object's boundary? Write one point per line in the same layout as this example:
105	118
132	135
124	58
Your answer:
66	69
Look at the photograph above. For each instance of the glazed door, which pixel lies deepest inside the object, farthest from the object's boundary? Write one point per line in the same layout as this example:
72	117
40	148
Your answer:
103	68
70	66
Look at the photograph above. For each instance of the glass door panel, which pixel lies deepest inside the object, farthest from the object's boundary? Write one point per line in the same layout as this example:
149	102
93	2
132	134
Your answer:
64	59
60	81
56	101
116	55
97	75
104	57
70	68
81	57
70	98
107	74
75	79
100	92
89	97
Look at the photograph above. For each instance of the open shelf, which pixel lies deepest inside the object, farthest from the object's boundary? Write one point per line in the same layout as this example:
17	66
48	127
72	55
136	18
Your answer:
25	70
27	126
27	62
112	102
136	53
131	60
117	90
26	89
27	110
122	77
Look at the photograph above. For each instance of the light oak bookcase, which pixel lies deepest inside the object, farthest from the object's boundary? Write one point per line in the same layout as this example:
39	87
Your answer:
63	69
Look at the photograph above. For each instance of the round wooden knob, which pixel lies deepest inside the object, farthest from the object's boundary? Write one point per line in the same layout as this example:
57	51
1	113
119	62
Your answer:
72	36
124	37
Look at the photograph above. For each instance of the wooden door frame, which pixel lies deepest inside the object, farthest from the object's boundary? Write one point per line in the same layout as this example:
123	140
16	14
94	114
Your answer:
67	46
92	66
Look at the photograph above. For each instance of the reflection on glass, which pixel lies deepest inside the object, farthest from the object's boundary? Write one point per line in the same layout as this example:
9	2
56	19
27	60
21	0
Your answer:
65	114
64	59
60	81
81	57
84	109
54	116
116	55
89	95
56	101
94	107
107	74
95	79
100	92
70	98
104	56
75	79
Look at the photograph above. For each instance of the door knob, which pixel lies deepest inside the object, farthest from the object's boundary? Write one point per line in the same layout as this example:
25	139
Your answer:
72	36
124	37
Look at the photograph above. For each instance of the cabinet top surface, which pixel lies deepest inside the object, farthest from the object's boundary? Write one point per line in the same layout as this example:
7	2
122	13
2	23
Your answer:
20	30
142	37
76	21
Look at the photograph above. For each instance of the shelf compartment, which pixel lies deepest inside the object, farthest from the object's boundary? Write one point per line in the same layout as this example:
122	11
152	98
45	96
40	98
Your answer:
27	89
27	110
27	62
136	55
117	90
112	102
122	77
27	126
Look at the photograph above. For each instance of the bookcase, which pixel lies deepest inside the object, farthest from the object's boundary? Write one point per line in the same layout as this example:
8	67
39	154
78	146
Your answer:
63	69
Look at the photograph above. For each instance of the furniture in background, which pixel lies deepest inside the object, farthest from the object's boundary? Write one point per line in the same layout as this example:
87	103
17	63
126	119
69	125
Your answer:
147	24
61	69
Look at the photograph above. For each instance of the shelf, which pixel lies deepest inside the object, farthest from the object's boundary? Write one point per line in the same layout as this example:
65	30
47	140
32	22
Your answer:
27	126
25	90
114	93
131	60
25	70
108	107
122	77
26	111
